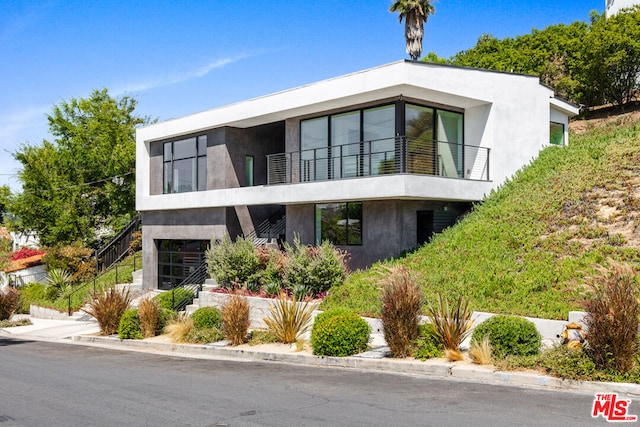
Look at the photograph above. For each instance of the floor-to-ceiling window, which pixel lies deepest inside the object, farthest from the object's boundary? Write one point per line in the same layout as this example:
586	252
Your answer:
347	145
177	259
368	142
314	146
434	141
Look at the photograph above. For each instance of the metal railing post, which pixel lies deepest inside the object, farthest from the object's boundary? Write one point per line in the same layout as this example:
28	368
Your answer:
488	156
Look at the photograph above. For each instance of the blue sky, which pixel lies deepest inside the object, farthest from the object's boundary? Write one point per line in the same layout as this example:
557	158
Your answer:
180	57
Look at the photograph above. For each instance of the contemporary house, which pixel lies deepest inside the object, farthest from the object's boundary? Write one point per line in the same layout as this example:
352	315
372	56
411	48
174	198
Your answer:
375	161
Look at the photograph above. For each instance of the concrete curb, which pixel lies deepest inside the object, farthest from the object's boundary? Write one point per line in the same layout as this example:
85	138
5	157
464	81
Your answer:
466	373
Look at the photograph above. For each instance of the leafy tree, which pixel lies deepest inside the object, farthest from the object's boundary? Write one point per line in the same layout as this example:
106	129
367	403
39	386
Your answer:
415	14
5	192
612	57
83	181
555	54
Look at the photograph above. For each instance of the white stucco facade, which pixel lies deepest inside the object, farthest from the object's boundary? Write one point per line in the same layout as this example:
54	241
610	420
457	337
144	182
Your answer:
507	113
502	121
614	6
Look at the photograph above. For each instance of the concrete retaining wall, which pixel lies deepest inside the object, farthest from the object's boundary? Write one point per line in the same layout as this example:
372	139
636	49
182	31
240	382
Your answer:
259	309
47	313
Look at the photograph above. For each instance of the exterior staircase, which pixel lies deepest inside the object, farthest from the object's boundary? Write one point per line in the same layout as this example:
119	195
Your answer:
203	299
118	246
270	229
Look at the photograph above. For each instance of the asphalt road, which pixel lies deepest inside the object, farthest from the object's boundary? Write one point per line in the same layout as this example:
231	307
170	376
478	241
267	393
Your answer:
53	384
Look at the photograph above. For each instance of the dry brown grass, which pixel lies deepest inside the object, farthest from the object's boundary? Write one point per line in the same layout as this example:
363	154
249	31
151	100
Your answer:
480	352
9	302
108	308
179	328
453	355
149	315
235	319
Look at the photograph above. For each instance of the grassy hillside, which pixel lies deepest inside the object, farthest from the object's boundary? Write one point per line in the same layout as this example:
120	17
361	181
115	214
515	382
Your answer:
529	247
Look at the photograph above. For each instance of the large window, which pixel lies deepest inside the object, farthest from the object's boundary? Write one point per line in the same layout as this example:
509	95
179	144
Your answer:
339	223
347	145
434	141
185	165
365	142
177	259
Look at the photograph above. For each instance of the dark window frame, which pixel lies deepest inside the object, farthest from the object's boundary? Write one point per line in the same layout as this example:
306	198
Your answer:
200	148
400	126
350	240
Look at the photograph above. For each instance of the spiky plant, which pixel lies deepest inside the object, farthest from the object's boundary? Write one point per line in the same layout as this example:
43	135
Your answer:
612	317
289	318
58	282
235	319
401	300
9	302
272	290
108	307
451	323
149	314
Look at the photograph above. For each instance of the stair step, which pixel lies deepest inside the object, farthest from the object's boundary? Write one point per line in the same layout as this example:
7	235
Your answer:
191	308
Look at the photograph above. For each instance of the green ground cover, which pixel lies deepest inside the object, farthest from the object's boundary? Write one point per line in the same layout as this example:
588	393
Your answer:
528	248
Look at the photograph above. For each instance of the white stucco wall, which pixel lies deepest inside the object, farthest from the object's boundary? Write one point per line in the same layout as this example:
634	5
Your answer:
506	113
614	6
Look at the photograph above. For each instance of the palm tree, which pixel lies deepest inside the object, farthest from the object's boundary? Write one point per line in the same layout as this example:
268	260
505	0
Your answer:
415	14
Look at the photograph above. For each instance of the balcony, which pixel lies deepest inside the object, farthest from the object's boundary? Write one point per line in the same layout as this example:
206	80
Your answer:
391	156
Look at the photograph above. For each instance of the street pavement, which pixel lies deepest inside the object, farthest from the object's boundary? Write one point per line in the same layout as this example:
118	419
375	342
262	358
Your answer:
86	332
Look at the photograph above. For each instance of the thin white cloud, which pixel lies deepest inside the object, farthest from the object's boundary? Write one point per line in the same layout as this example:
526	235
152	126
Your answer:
179	78
18	126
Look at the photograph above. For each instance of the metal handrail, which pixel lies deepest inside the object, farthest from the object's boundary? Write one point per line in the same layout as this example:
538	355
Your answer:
118	246
193	282
93	282
399	155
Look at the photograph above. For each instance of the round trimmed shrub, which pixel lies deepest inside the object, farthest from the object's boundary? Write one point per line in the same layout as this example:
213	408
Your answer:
129	326
339	332
509	335
206	318
180	295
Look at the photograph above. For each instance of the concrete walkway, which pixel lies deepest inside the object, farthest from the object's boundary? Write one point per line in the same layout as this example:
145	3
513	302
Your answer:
51	329
82	332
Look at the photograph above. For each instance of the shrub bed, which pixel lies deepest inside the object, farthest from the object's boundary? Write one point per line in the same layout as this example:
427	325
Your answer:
509	336
339	332
129	326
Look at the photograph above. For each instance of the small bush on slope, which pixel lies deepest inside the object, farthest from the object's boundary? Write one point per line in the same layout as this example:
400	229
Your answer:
523	249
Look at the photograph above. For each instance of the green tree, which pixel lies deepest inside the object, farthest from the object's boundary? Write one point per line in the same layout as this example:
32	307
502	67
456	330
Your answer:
612	57
5	192
82	182
415	14
554	53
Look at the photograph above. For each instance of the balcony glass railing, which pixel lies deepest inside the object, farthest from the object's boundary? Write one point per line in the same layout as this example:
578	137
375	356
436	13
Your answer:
390	156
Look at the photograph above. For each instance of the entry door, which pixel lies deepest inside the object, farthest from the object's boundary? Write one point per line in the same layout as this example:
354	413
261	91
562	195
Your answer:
424	227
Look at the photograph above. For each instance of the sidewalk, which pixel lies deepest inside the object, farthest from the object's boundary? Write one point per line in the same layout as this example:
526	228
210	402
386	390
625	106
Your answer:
81	332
